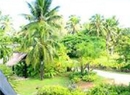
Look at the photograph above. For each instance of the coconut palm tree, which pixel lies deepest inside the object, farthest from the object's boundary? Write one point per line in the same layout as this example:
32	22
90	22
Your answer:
111	28
38	38
96	25
73	24
5	39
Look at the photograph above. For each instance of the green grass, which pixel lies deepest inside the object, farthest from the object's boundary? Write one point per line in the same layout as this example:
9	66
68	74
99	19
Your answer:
28	86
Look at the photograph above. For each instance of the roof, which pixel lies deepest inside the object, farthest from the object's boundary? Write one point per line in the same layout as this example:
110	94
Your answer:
5	86
16	57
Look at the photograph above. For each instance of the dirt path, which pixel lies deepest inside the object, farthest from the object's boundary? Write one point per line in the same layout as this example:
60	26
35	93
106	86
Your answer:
117	78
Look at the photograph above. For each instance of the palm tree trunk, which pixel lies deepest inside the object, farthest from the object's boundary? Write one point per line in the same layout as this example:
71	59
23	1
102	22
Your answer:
107	43
82	68
111	50
97	32
41	70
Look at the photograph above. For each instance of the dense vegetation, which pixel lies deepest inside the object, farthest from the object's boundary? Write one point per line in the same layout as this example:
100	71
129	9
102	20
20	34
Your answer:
53	48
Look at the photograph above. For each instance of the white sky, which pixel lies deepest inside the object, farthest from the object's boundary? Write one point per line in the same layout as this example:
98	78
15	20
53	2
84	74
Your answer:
83	8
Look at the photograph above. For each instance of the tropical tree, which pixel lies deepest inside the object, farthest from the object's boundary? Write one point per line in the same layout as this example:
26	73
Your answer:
112	31
39	36
97	25
73	24
6	43
85	48
123	46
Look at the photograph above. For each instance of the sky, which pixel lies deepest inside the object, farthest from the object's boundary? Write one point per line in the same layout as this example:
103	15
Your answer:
83	8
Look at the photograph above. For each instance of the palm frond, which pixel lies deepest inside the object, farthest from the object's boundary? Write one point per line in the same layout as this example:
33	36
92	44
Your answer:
46	7
52	12
32	9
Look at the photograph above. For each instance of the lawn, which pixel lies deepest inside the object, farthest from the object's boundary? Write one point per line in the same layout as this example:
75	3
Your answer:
29	86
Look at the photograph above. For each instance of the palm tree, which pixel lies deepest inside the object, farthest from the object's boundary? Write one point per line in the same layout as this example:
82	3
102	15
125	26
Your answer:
123	45
73	25
39	35
5	39
111	28
96	25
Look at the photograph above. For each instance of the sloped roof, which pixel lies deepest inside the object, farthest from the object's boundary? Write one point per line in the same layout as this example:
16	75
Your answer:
16	57
5	87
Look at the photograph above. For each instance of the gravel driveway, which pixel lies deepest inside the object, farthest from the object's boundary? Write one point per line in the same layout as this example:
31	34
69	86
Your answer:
118	78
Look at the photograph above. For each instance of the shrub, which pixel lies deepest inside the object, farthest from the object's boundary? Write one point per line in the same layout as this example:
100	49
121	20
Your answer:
107	89
89	78
49	72
20	68
76	79
58	90
78	92
125	68
77	74
53	90
6	70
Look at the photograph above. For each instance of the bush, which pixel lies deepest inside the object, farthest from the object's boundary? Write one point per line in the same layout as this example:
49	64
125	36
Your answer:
53	90
78	92
76	79
58	90
89	78
20	68
6	70
125	68
49	72
107	89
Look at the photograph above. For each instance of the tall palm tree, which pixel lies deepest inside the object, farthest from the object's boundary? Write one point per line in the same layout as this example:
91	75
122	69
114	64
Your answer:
73	25
5	39
39	35
111	28
96	25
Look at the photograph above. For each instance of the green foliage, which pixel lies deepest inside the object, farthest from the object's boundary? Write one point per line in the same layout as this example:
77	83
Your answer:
107	89
6	70
76	79
62	61
39	37
73	24
88	77
50	71
53	90
58	90
96	25
125	68
6	32
84	45
20	67
123	46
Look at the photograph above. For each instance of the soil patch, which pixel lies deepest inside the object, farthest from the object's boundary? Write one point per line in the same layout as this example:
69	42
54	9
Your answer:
85	85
